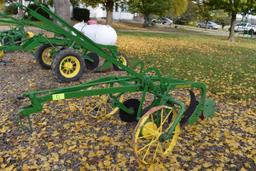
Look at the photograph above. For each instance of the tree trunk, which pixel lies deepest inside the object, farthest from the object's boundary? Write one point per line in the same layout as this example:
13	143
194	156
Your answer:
146	20
232	27
20	11
1	4
109	8
62	9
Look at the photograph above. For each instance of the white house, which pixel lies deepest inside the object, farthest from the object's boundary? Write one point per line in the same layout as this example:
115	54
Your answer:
119	13
248	18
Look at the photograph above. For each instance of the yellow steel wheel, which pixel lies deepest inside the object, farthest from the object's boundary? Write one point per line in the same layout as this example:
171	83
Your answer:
69	67
147	146
101	106
47	56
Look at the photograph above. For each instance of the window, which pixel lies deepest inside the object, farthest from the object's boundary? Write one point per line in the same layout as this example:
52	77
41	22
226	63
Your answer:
116	7
124	7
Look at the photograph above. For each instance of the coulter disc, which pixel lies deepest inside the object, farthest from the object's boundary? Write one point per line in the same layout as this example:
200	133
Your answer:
191	108
96	60
130	104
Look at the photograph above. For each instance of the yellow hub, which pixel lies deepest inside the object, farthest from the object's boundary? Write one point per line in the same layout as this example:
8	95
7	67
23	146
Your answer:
70	67
148	147
47	56
149	130
122	59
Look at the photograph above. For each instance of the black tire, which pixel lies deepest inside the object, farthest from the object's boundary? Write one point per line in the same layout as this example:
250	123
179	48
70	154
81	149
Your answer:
39	56
130	104
123	56
96	60
60	56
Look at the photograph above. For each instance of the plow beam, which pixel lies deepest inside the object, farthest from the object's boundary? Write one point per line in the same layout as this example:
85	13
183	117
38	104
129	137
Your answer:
39	98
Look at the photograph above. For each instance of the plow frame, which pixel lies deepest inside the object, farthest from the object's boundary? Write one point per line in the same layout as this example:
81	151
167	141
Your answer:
126	84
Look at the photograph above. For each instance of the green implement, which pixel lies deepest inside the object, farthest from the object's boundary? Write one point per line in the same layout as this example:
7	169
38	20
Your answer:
68	52
159	120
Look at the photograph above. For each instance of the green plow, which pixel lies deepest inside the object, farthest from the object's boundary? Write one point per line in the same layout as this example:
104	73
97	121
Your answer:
13	38
51	51
159	115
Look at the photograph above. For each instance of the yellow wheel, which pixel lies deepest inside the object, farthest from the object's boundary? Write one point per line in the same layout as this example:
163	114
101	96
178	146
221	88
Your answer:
1	53
43	56
46	56
123	60
68	66
101	106
147	144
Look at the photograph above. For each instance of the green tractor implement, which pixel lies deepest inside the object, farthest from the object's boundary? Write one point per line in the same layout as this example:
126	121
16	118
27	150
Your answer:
13	38
51	51
159	121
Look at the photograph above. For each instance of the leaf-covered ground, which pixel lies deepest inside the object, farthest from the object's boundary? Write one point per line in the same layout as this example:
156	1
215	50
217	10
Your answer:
66	137
227	68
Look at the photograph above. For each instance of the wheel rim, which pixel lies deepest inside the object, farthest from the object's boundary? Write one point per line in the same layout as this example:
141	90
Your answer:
1	52
122	59
101	106
70	66
47	56
146	139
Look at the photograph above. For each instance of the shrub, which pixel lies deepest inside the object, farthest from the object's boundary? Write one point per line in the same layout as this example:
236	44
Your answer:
12	9
81	14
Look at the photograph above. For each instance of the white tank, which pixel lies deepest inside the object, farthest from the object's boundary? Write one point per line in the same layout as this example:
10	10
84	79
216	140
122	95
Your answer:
100	34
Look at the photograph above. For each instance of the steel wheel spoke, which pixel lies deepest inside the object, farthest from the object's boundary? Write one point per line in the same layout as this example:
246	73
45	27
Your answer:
161	126
143	148
148	149
154	156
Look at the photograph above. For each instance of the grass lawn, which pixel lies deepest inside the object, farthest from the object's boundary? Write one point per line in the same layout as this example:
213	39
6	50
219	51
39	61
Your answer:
229	69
